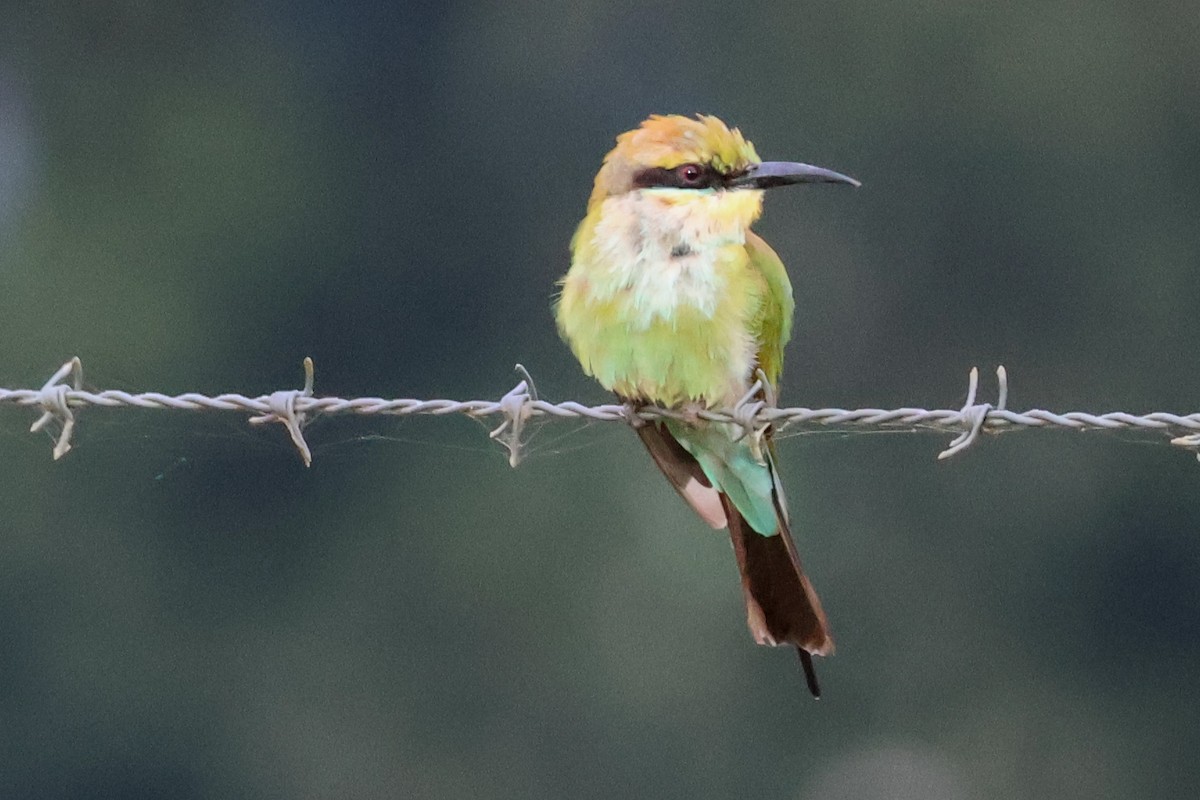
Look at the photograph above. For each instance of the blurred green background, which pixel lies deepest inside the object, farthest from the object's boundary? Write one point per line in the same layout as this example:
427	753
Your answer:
194	197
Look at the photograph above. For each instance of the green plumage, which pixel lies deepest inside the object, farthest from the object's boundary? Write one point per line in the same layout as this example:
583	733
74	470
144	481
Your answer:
672	300
729	315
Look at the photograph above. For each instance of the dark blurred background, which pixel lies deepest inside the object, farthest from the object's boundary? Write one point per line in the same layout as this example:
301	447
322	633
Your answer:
195	197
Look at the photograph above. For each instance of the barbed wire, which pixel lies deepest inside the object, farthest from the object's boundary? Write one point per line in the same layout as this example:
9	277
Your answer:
754	413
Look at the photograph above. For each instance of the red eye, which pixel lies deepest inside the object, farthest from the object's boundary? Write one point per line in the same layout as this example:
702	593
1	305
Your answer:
690	173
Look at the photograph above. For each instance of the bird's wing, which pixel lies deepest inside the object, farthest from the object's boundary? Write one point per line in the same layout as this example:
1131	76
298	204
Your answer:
773	324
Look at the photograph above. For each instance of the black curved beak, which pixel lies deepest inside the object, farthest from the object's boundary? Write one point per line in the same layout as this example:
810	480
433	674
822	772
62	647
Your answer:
770	174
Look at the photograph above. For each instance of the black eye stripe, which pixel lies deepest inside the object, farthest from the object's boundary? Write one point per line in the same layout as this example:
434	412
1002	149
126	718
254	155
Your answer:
660	177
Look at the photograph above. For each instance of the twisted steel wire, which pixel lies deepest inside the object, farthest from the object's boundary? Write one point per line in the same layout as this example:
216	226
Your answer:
754	413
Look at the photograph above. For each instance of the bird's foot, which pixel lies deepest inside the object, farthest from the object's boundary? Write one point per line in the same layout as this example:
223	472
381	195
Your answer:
631	409
691	412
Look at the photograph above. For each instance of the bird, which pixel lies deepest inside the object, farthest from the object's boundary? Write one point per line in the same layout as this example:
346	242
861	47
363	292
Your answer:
672	300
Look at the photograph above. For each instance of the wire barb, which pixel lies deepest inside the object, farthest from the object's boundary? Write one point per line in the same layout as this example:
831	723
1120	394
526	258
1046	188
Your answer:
974	415
747	413
1189	442
516	405
282	405
55	403
755	413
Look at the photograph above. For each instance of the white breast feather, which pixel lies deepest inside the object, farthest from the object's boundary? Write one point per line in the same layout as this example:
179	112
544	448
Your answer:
638	232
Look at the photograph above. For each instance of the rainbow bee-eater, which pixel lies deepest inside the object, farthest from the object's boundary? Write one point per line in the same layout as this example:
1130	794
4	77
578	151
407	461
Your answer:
672	300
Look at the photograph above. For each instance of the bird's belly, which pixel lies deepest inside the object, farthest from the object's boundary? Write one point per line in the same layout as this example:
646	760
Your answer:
688	361
690	344
662	317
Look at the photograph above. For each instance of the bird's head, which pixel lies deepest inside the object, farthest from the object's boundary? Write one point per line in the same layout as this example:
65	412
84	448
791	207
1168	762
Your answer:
696	155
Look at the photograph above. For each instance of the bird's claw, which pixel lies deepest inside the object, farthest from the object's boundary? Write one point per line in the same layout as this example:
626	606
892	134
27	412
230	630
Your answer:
631	409
691	413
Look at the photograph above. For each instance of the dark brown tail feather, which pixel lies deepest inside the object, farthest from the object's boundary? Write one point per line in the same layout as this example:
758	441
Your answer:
781	605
